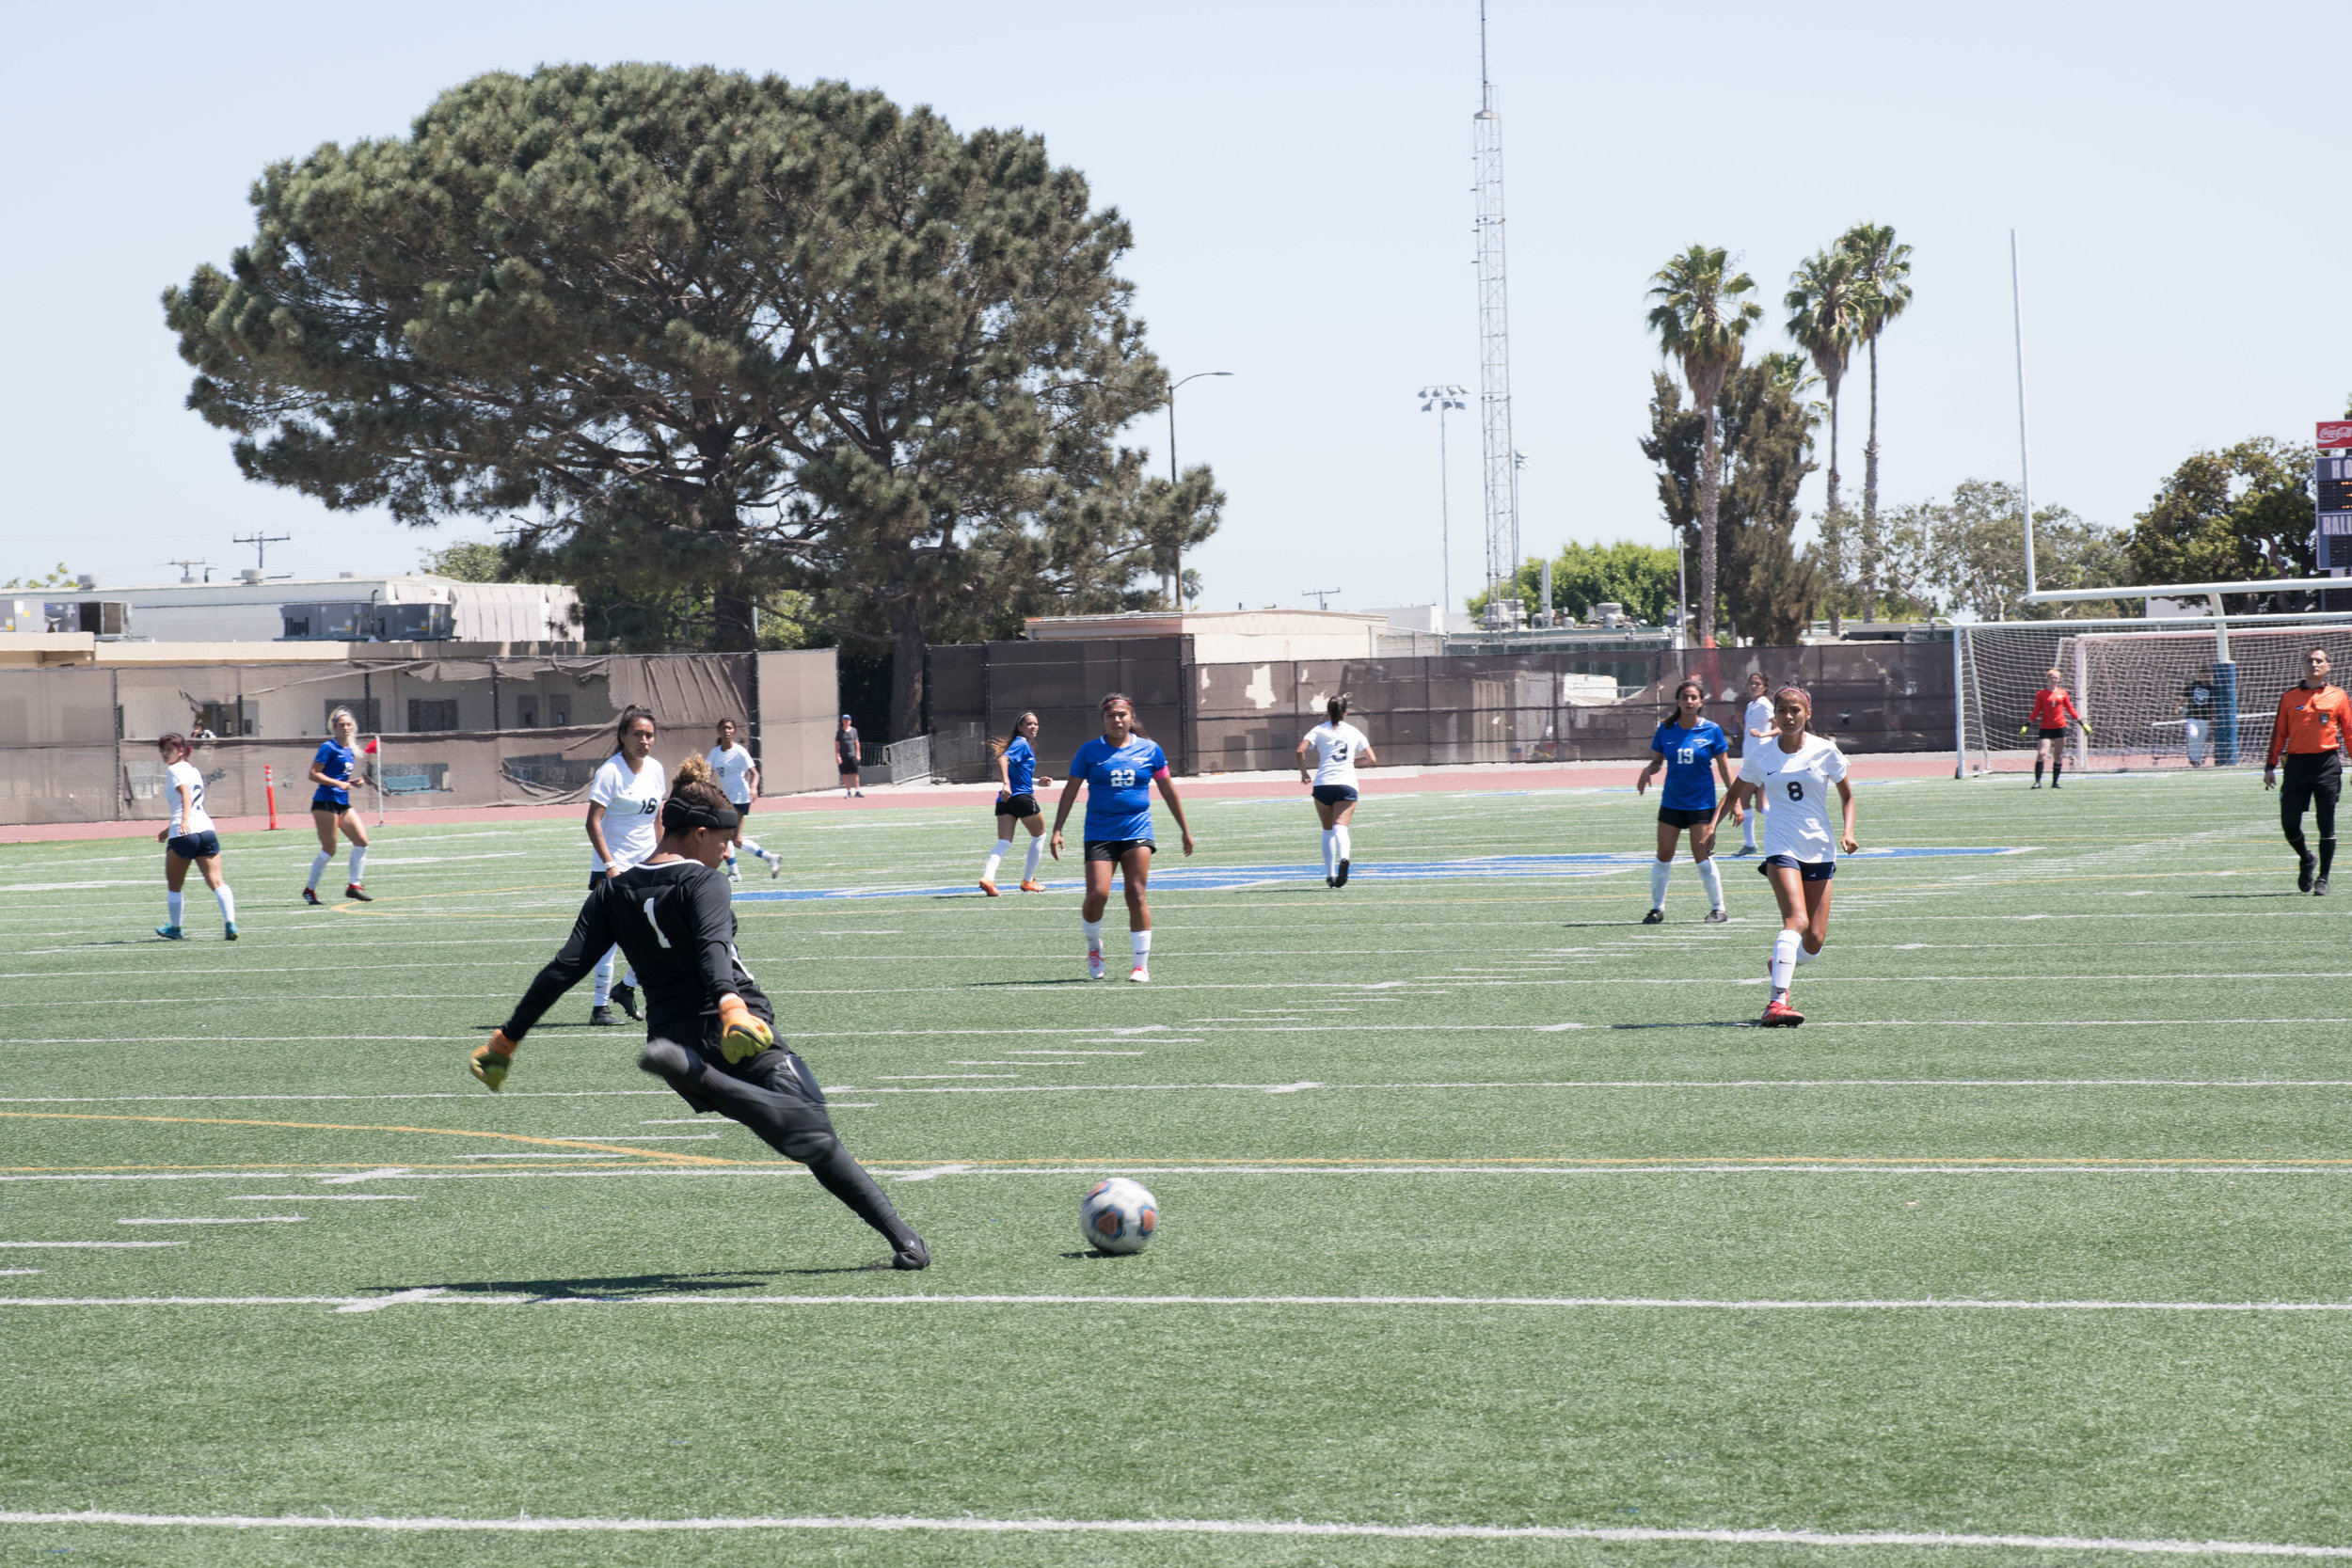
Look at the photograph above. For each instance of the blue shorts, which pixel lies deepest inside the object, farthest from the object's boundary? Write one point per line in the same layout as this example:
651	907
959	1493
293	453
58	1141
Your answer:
195	847
1812	871
1335	795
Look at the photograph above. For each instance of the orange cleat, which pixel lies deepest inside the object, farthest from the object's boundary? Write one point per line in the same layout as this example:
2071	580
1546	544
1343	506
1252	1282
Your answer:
1033	887
990	888
1780	1015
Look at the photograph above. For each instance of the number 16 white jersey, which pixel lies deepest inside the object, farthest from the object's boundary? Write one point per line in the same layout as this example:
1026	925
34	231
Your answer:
1797	788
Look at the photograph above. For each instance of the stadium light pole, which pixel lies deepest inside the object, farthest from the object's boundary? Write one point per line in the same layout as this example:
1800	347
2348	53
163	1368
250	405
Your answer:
1176	578
2025	465
1442	399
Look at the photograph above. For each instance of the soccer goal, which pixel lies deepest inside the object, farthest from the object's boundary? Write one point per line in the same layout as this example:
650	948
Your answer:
2158	694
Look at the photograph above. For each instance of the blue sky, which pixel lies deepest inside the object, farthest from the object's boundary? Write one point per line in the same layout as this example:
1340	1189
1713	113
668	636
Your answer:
1297	178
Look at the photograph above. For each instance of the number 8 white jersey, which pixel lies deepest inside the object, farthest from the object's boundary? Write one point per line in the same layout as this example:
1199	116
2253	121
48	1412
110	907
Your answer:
1798	787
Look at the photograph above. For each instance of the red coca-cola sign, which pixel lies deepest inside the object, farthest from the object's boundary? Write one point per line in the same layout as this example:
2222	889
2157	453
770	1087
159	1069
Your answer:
2335	433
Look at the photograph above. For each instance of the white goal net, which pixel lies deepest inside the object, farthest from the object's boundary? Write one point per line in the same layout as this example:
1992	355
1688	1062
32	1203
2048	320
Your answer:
2158	694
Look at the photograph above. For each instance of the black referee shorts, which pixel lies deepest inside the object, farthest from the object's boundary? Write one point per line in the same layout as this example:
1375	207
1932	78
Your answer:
2313	780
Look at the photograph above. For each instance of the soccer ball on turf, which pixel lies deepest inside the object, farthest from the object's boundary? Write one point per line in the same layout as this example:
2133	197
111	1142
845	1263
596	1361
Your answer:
1118	1216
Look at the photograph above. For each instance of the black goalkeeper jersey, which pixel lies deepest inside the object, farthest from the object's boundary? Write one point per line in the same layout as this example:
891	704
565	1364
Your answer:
676	923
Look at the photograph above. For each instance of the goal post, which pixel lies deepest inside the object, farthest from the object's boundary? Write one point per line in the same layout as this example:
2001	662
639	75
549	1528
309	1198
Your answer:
2193	692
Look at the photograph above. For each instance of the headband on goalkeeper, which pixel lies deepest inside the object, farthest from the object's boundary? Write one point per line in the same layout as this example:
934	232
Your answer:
679	817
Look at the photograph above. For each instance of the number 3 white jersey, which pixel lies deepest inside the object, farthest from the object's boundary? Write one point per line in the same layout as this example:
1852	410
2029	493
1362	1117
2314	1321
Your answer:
1798	787
1335	748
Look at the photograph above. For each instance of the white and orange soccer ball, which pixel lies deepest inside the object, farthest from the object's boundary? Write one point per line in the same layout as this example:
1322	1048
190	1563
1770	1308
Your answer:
1119	1215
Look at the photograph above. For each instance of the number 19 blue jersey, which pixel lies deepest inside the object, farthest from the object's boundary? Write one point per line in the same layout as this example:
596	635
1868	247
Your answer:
1690	763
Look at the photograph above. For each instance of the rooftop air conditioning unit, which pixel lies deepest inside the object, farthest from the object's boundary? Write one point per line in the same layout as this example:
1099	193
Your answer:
250	573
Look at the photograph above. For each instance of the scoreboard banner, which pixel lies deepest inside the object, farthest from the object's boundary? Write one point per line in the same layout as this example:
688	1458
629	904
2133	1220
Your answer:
2331	488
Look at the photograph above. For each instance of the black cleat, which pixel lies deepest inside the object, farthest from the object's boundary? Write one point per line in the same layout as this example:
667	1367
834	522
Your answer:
356	893
2319	888
2054	784
2303	876
310	896
601	1016
1341	880
1655	917
911	1254
1718	917
626	997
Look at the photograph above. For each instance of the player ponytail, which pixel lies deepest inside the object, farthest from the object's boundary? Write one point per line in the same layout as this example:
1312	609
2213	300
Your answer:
1336	709
998	747
696	800
629	716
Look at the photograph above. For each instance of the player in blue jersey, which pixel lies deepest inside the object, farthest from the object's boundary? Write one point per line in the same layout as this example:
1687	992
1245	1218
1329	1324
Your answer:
1119	769
1691	748
334	770
1017	783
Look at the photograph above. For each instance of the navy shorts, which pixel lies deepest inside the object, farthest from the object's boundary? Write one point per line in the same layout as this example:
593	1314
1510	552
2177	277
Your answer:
1335	795
1115	849
339	808
1686	816
1023	807
195	847
1812	871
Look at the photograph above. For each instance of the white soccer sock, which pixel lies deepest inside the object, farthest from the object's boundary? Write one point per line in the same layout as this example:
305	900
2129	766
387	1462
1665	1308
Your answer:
1141	942
1712	881
1331	851
173	902
1785	950
358	862
318	867
1036	847
754	846
227	903
1803	956
603	992
995	859
1747	829
1093	930
1346	841
1659	871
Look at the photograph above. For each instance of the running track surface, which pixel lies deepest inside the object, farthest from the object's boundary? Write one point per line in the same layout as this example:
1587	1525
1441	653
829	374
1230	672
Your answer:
1497	777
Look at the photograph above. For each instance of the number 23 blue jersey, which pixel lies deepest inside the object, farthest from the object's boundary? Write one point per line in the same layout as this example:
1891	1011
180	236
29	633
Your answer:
1118	786
1690	763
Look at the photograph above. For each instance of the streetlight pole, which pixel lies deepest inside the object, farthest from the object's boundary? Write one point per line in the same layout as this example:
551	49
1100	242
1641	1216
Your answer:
1176	578
1442	399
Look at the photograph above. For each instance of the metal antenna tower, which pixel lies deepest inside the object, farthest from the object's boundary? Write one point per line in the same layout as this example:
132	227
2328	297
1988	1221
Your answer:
260	543
1494	353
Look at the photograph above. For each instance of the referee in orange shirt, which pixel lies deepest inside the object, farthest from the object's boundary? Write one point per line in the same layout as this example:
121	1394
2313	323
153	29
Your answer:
2314	723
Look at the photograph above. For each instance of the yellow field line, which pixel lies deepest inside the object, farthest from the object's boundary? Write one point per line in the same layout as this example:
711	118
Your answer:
340	1127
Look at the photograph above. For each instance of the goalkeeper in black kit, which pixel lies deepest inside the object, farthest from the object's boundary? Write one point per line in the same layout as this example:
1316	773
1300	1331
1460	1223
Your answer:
708	1029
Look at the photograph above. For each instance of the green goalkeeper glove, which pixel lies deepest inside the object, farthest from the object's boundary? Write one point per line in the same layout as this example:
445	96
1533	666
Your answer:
2086	724
743	1034
490	1062
2024	729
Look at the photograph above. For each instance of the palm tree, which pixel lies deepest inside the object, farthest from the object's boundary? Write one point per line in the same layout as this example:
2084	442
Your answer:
1824	304
1702	323
1883	269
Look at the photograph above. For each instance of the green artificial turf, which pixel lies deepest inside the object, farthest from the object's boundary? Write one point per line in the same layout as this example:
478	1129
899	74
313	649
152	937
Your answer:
2104	1069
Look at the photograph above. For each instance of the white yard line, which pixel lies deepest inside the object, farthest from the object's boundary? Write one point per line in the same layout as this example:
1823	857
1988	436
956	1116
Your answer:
241	1219
970	1524
47	1245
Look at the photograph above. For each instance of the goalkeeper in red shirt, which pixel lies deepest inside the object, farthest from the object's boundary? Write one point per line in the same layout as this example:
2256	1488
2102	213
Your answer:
2053	710
2311	728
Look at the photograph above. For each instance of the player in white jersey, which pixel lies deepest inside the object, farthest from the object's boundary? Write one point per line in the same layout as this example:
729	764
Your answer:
623	825
733	769
188	839
1797	772
1755	729
1338	746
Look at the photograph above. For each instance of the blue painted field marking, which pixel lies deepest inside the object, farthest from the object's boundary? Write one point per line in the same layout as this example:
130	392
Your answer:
1179	878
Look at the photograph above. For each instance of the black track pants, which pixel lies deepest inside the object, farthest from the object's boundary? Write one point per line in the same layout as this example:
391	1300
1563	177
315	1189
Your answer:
2313	781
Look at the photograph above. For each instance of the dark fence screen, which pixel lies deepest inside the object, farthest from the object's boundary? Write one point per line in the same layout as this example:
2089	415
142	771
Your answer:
1432	711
